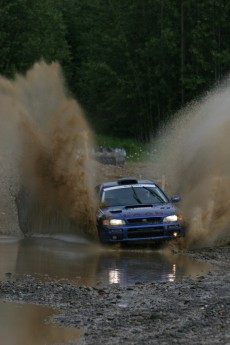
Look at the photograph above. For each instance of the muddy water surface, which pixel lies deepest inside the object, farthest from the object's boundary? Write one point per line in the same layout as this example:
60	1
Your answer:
22	324
83	263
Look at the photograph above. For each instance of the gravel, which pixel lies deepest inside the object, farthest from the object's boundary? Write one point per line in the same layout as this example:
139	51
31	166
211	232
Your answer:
190	311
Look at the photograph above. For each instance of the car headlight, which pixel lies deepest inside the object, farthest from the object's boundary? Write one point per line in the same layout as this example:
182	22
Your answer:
169	219
113	222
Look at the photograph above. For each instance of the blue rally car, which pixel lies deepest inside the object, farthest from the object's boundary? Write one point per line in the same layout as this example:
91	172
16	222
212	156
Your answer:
137	210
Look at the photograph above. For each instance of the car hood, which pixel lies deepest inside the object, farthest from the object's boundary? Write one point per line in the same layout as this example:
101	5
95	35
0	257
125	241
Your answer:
140	211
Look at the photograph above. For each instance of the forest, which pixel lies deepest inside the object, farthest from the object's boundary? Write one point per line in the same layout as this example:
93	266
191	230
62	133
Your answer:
132	64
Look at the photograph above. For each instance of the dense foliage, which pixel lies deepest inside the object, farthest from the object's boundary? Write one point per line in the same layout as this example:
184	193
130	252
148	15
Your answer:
131	63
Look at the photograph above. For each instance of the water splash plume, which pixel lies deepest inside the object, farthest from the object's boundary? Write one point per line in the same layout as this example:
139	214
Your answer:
196	157
45	131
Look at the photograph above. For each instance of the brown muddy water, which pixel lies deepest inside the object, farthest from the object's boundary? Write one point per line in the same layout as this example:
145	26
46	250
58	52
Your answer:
22	324
75	260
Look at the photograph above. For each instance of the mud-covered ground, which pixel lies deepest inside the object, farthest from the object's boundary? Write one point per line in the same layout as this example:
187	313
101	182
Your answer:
190	311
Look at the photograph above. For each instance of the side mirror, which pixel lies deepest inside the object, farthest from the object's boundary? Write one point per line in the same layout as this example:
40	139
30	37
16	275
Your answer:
175	198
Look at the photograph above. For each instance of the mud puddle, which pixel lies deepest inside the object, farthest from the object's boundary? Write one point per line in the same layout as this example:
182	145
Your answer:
24	324
82	263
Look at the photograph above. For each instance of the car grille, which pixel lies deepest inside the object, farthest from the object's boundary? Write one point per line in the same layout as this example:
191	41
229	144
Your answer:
145	232
149	220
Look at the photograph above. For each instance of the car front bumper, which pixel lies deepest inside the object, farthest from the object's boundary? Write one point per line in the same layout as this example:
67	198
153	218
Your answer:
141	233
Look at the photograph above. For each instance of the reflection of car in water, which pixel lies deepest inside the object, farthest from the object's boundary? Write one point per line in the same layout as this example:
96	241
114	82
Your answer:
130	267
127	267
136	210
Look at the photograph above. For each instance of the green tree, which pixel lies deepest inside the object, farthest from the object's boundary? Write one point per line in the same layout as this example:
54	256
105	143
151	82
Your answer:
126	55
30	31
207	45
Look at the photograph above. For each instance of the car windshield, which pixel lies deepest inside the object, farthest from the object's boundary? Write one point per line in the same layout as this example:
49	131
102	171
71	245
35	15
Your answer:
133	195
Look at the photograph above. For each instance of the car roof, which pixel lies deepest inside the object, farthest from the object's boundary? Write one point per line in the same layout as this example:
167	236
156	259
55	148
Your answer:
124	181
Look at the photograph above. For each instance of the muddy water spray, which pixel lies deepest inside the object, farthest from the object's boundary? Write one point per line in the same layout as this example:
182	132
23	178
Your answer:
196	156
50	139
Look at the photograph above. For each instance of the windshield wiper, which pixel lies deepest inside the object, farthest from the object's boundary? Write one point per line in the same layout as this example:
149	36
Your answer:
135	195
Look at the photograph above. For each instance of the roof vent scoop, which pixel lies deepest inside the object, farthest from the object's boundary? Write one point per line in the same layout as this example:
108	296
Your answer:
123	181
